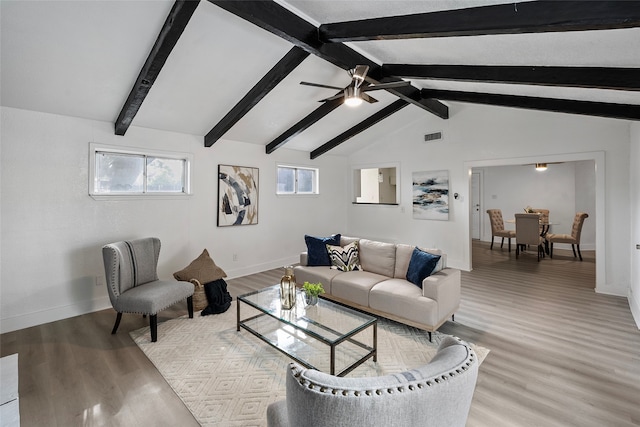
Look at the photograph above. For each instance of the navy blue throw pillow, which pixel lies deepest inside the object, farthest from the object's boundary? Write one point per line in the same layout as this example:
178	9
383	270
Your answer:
317	249
421	266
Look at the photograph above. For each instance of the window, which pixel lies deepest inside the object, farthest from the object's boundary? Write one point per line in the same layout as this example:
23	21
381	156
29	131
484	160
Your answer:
117	171
297	180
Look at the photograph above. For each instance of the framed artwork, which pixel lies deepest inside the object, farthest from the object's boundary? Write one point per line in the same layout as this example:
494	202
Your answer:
431	195
237	195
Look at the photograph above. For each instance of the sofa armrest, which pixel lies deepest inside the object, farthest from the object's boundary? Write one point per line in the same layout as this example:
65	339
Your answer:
303	258
444	288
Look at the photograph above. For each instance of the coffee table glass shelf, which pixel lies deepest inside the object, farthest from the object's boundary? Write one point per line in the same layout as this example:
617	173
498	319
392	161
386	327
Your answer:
328	337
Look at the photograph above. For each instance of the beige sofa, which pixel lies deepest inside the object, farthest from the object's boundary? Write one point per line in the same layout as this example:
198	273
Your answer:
381	287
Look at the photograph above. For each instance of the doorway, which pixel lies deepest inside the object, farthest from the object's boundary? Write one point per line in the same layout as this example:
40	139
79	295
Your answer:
598	190
476	199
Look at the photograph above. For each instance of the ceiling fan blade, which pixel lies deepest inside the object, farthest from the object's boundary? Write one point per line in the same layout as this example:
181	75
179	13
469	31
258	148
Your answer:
369	99
386	86
320	85
331	98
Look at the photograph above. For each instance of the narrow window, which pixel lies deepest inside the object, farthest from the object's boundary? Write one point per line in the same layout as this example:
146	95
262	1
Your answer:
117	171
297	180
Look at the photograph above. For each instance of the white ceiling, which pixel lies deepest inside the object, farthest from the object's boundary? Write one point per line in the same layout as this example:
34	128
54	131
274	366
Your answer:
81	58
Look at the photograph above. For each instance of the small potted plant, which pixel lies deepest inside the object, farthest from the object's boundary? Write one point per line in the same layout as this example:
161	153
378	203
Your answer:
311	292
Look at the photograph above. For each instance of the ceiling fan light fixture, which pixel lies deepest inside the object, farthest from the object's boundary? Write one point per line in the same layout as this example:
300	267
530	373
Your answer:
540	167
352	97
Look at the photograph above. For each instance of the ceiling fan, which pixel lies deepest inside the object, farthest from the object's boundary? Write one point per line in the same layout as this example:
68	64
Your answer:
354	94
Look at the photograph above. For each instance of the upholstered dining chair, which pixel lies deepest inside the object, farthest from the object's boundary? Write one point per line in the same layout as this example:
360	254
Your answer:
528	233
497	228
133	285
543	214
573	238
436	394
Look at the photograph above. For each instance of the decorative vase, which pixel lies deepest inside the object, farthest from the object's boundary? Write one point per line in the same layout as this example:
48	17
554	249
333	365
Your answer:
310	299
288	289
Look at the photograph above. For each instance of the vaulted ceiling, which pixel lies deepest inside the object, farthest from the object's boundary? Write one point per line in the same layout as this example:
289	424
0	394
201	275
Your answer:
231	70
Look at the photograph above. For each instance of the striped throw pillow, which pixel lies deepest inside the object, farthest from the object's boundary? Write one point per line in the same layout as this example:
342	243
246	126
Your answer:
344	258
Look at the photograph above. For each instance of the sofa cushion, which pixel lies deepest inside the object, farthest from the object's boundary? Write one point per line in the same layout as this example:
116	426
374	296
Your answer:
377	257
354	286
403	299
203	269
345	240
421	266
317	249
344	258
320	274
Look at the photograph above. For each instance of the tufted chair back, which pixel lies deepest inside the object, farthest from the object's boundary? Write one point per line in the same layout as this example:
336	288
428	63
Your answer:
544	214
497	223
576	228
434	395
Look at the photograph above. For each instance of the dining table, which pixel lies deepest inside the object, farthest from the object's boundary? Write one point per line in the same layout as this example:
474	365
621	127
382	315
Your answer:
545	226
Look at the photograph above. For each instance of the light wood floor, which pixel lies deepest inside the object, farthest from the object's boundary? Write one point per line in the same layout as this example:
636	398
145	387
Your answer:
561	355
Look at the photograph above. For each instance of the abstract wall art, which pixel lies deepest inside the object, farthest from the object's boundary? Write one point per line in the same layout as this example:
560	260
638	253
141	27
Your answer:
431	195
237	195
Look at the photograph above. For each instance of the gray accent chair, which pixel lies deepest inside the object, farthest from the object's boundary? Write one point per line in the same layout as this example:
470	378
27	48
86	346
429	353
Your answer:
434	395
573	239
132	280
497	228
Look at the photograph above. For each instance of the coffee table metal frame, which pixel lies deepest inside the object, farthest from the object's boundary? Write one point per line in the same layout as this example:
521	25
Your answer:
275	311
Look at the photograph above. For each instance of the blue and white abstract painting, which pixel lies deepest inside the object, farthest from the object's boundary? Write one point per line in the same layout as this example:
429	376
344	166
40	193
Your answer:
237	195
431	195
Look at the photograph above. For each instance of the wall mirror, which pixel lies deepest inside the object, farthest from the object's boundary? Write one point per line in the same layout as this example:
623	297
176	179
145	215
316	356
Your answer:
376	185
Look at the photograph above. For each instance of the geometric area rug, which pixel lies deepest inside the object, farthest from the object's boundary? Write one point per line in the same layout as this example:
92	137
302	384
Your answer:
228	378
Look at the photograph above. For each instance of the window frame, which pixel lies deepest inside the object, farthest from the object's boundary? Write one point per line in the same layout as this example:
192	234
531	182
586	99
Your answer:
95	149
296	193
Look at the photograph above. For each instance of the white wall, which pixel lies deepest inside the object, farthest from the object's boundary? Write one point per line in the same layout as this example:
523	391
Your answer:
52	231
476	134
634	195
564	189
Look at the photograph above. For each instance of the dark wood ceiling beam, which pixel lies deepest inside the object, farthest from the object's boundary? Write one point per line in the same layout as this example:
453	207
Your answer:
601	109
171	31
587	77
360	127
513	18
324	109
286	65
276	19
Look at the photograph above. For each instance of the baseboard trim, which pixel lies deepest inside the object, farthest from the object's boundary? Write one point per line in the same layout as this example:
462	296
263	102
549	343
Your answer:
634	305
27	320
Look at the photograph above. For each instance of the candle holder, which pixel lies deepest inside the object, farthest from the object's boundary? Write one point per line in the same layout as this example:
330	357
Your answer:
288	289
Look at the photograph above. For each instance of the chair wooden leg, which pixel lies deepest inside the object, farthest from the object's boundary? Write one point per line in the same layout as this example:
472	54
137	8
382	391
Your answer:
453	317
429	336
579	254
509	244
517	250
551	250
115	327
190	306
502	243
153	323
573	248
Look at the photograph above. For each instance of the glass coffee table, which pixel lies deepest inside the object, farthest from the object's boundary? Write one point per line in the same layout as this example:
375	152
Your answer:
328	337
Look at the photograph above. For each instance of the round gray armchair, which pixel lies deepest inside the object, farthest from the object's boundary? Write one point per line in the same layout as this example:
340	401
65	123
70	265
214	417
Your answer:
434	395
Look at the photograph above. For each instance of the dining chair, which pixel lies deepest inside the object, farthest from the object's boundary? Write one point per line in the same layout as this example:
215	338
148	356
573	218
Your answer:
544	214
573	238
497	227
132	281
528	233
